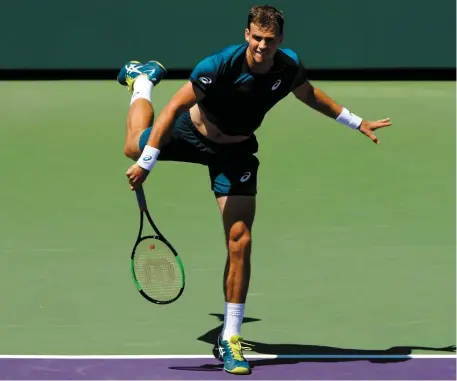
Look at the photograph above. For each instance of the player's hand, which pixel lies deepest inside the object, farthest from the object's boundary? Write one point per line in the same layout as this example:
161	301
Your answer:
367	127
136	176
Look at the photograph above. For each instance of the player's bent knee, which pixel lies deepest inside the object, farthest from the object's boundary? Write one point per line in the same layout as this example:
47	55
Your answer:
238	231
131	153
239	238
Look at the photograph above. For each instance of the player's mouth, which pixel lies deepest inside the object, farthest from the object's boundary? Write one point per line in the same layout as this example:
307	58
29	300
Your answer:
261	54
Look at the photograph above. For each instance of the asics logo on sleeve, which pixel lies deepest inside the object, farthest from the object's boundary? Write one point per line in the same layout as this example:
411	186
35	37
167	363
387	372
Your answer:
205	80
276	85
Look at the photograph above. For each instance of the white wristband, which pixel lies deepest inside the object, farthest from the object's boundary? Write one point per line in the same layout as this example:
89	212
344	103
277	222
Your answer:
148	158
349	119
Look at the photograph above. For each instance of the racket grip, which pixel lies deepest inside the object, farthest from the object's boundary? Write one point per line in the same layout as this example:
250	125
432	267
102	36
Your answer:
141	198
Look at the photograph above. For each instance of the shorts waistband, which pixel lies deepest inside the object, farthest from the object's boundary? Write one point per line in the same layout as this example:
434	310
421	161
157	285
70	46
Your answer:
217	147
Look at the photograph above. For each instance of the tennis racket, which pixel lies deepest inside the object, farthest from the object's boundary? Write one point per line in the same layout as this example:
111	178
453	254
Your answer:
156	267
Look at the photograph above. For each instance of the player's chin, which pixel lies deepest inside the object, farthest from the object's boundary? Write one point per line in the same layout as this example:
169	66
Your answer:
259	58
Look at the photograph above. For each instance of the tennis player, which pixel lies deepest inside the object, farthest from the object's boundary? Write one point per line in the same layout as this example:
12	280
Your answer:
211	120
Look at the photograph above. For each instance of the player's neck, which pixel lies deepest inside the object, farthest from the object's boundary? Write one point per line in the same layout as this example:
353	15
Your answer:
257	68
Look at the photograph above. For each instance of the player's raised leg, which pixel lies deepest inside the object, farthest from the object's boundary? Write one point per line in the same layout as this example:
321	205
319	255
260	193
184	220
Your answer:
140	80
238	216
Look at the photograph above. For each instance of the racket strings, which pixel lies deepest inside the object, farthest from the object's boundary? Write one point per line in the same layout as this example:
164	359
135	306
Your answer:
157	270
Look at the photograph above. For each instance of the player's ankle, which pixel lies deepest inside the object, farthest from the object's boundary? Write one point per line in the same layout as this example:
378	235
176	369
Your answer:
142	88
233	318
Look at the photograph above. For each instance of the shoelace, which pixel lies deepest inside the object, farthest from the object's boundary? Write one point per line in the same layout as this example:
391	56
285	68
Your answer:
236	349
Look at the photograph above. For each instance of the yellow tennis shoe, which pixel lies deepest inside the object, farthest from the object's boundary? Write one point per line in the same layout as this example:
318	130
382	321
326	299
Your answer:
231	352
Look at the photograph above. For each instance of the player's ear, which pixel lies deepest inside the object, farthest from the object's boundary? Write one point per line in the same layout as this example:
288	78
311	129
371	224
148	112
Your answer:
246	34
281	37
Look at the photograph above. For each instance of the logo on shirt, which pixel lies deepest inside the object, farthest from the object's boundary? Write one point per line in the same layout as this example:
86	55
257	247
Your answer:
276	85
205	80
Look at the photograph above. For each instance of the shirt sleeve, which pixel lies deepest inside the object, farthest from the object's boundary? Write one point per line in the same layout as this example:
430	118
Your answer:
205	74
300	76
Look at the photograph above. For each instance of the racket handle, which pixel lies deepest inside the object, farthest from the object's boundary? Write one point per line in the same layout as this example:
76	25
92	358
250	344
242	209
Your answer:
141	198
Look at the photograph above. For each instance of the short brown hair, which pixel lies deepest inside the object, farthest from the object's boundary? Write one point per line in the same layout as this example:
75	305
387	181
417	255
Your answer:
266	17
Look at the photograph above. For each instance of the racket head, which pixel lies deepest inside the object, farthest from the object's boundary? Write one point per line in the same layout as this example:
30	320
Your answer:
157	270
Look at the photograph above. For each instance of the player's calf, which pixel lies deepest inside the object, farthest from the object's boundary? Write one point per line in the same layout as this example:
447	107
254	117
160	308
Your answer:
140	117
238	268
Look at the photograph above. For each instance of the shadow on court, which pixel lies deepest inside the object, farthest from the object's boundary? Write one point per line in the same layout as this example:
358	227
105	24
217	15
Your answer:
210	337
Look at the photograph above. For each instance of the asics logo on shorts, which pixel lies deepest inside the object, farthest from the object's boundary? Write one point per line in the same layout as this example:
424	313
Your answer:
245	177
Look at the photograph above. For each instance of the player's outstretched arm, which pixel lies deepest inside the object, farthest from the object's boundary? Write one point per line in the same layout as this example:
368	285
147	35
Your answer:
187	96
319	101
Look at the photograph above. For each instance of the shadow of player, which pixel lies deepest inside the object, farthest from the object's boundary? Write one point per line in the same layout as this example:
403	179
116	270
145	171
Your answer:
401	352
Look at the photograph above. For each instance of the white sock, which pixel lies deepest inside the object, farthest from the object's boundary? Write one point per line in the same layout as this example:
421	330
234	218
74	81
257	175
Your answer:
142	88
233	318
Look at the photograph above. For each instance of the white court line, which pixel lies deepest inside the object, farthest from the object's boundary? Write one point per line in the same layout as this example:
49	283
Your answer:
153	357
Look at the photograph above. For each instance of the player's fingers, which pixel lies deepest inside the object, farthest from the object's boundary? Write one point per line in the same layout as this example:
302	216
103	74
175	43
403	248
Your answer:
374	128
133	185
374	138
137	183
380	125
132	180
367	132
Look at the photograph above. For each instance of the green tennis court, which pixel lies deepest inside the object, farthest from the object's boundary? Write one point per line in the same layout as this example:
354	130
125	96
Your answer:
354	244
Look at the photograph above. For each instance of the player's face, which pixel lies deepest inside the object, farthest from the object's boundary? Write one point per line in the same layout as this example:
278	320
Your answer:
263	43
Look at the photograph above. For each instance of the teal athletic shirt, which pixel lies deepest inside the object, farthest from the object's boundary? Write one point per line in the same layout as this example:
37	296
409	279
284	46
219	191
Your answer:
237	100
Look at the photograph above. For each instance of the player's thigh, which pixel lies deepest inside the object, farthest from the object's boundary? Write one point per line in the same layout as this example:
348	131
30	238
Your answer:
234	182
238	212
235	175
